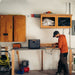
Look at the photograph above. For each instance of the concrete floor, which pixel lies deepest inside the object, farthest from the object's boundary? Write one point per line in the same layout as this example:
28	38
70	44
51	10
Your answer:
47	72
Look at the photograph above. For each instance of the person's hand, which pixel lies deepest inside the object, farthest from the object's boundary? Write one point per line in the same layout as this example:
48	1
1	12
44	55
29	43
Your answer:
54	45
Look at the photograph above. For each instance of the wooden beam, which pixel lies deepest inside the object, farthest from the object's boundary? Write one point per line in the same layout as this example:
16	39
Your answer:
70	62
41	60
13	63
6	49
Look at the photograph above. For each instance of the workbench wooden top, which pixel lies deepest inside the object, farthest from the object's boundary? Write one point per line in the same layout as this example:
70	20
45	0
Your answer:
41	48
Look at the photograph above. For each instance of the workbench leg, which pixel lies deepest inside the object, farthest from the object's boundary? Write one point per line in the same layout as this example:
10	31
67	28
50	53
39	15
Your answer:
13	63
41	60
6	49
70	62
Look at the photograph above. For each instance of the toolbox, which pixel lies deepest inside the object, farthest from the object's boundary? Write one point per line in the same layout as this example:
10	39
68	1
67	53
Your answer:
16	45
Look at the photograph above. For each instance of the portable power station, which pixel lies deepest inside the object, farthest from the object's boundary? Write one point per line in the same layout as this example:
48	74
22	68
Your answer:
34	44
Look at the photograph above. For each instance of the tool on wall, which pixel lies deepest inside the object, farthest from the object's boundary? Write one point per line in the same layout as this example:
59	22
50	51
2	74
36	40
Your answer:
17	52
39	15
36	15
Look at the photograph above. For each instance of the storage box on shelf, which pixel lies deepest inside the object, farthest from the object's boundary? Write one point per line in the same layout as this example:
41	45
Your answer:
56	21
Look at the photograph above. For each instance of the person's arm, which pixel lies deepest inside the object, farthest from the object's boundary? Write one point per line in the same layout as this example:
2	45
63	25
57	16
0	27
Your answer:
55	44
60	42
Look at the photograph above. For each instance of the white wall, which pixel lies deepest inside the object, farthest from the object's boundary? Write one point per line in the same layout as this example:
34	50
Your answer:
33	30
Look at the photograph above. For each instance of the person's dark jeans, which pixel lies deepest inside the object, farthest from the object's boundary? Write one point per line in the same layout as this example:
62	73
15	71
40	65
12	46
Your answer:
62	65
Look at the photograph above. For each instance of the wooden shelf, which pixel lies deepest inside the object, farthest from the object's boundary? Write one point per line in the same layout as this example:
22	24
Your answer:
55	19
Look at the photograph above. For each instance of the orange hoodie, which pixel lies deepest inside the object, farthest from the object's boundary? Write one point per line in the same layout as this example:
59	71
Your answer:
62	44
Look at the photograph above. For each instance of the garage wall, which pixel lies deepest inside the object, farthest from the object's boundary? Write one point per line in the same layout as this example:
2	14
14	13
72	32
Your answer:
33	30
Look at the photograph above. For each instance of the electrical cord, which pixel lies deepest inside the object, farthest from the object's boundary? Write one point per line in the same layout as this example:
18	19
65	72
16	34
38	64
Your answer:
48	52
51	50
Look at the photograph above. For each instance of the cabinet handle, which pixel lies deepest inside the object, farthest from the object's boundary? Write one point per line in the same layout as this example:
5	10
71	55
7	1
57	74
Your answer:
5	34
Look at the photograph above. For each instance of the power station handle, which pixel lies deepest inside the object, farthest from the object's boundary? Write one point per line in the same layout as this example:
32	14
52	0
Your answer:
5	34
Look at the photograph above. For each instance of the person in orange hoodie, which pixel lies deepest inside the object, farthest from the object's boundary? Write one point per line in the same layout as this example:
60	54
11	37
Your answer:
62	45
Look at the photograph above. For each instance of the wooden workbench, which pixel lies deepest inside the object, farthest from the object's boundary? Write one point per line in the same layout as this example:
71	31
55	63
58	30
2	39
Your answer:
13	58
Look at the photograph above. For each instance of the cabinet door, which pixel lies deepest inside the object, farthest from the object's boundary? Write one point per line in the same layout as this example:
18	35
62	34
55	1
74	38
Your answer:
6	28
48	21
64	21
19	28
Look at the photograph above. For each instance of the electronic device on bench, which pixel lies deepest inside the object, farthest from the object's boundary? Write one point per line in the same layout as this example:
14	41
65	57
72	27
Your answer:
16	45
34	43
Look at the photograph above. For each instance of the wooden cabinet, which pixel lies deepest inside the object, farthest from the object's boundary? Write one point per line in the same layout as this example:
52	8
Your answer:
12	28
56	21
0	30
19	28
6	28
